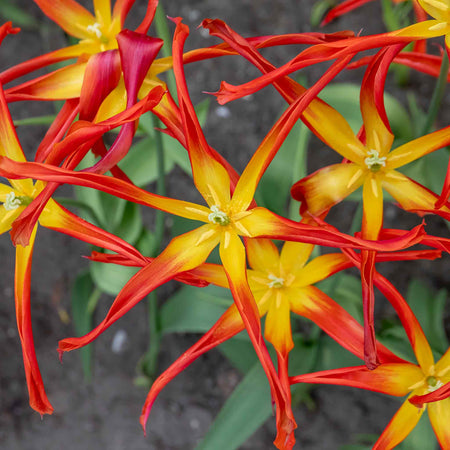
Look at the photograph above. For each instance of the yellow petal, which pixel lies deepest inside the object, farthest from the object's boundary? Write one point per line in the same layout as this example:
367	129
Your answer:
439	413
294	256
417	148
405	419
278	323
262	254
373	208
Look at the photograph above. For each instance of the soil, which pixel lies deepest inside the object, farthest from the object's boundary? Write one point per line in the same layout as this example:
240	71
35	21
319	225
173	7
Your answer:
104	414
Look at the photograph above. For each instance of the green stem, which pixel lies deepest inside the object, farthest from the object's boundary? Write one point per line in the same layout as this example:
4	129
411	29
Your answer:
162	30
438	94
150	360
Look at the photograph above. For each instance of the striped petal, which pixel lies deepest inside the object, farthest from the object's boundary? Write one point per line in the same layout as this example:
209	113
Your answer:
38	397
417	148
58	218
403	422
183	253
110	185
277	328
229	324
389	378
439	414
210	177
409	321
326	187
372	207
232	254
319	268
294	255
102	11
60	84
439	9
376	125
413	196
263	223
343	8
316	306
262	254
432	397
69	15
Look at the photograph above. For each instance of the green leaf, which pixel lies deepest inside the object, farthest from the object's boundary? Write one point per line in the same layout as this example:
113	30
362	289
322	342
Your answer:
247	408
430	307
287	167
194	310
111	278
131	226
141	163
18	16
83	292
240	352
345	98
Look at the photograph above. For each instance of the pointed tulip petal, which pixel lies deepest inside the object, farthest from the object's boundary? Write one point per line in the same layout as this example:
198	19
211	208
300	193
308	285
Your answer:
294	255
69	15
315	305
319	268
38	397
106	184
439	414
389	378
277	328
413	196
183	253
262	254
263	223
405	419
61	84
409	321
417	148
326	187
229	324
210	177
232	254
343	8
60	219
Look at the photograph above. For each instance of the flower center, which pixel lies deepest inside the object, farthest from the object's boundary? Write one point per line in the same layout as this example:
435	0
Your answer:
95	29
276	282
374	162
433	383
218	217
13	201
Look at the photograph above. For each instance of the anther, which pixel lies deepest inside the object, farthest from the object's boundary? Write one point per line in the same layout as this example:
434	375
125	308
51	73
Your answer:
95	29
276	282
218	217
374	162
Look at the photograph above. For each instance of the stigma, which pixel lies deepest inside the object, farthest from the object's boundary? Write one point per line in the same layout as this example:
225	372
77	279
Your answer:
218	217
276	282
433	384
12	202
374	162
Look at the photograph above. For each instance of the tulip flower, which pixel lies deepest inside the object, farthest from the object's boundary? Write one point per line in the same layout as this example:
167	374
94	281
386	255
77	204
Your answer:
425	383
